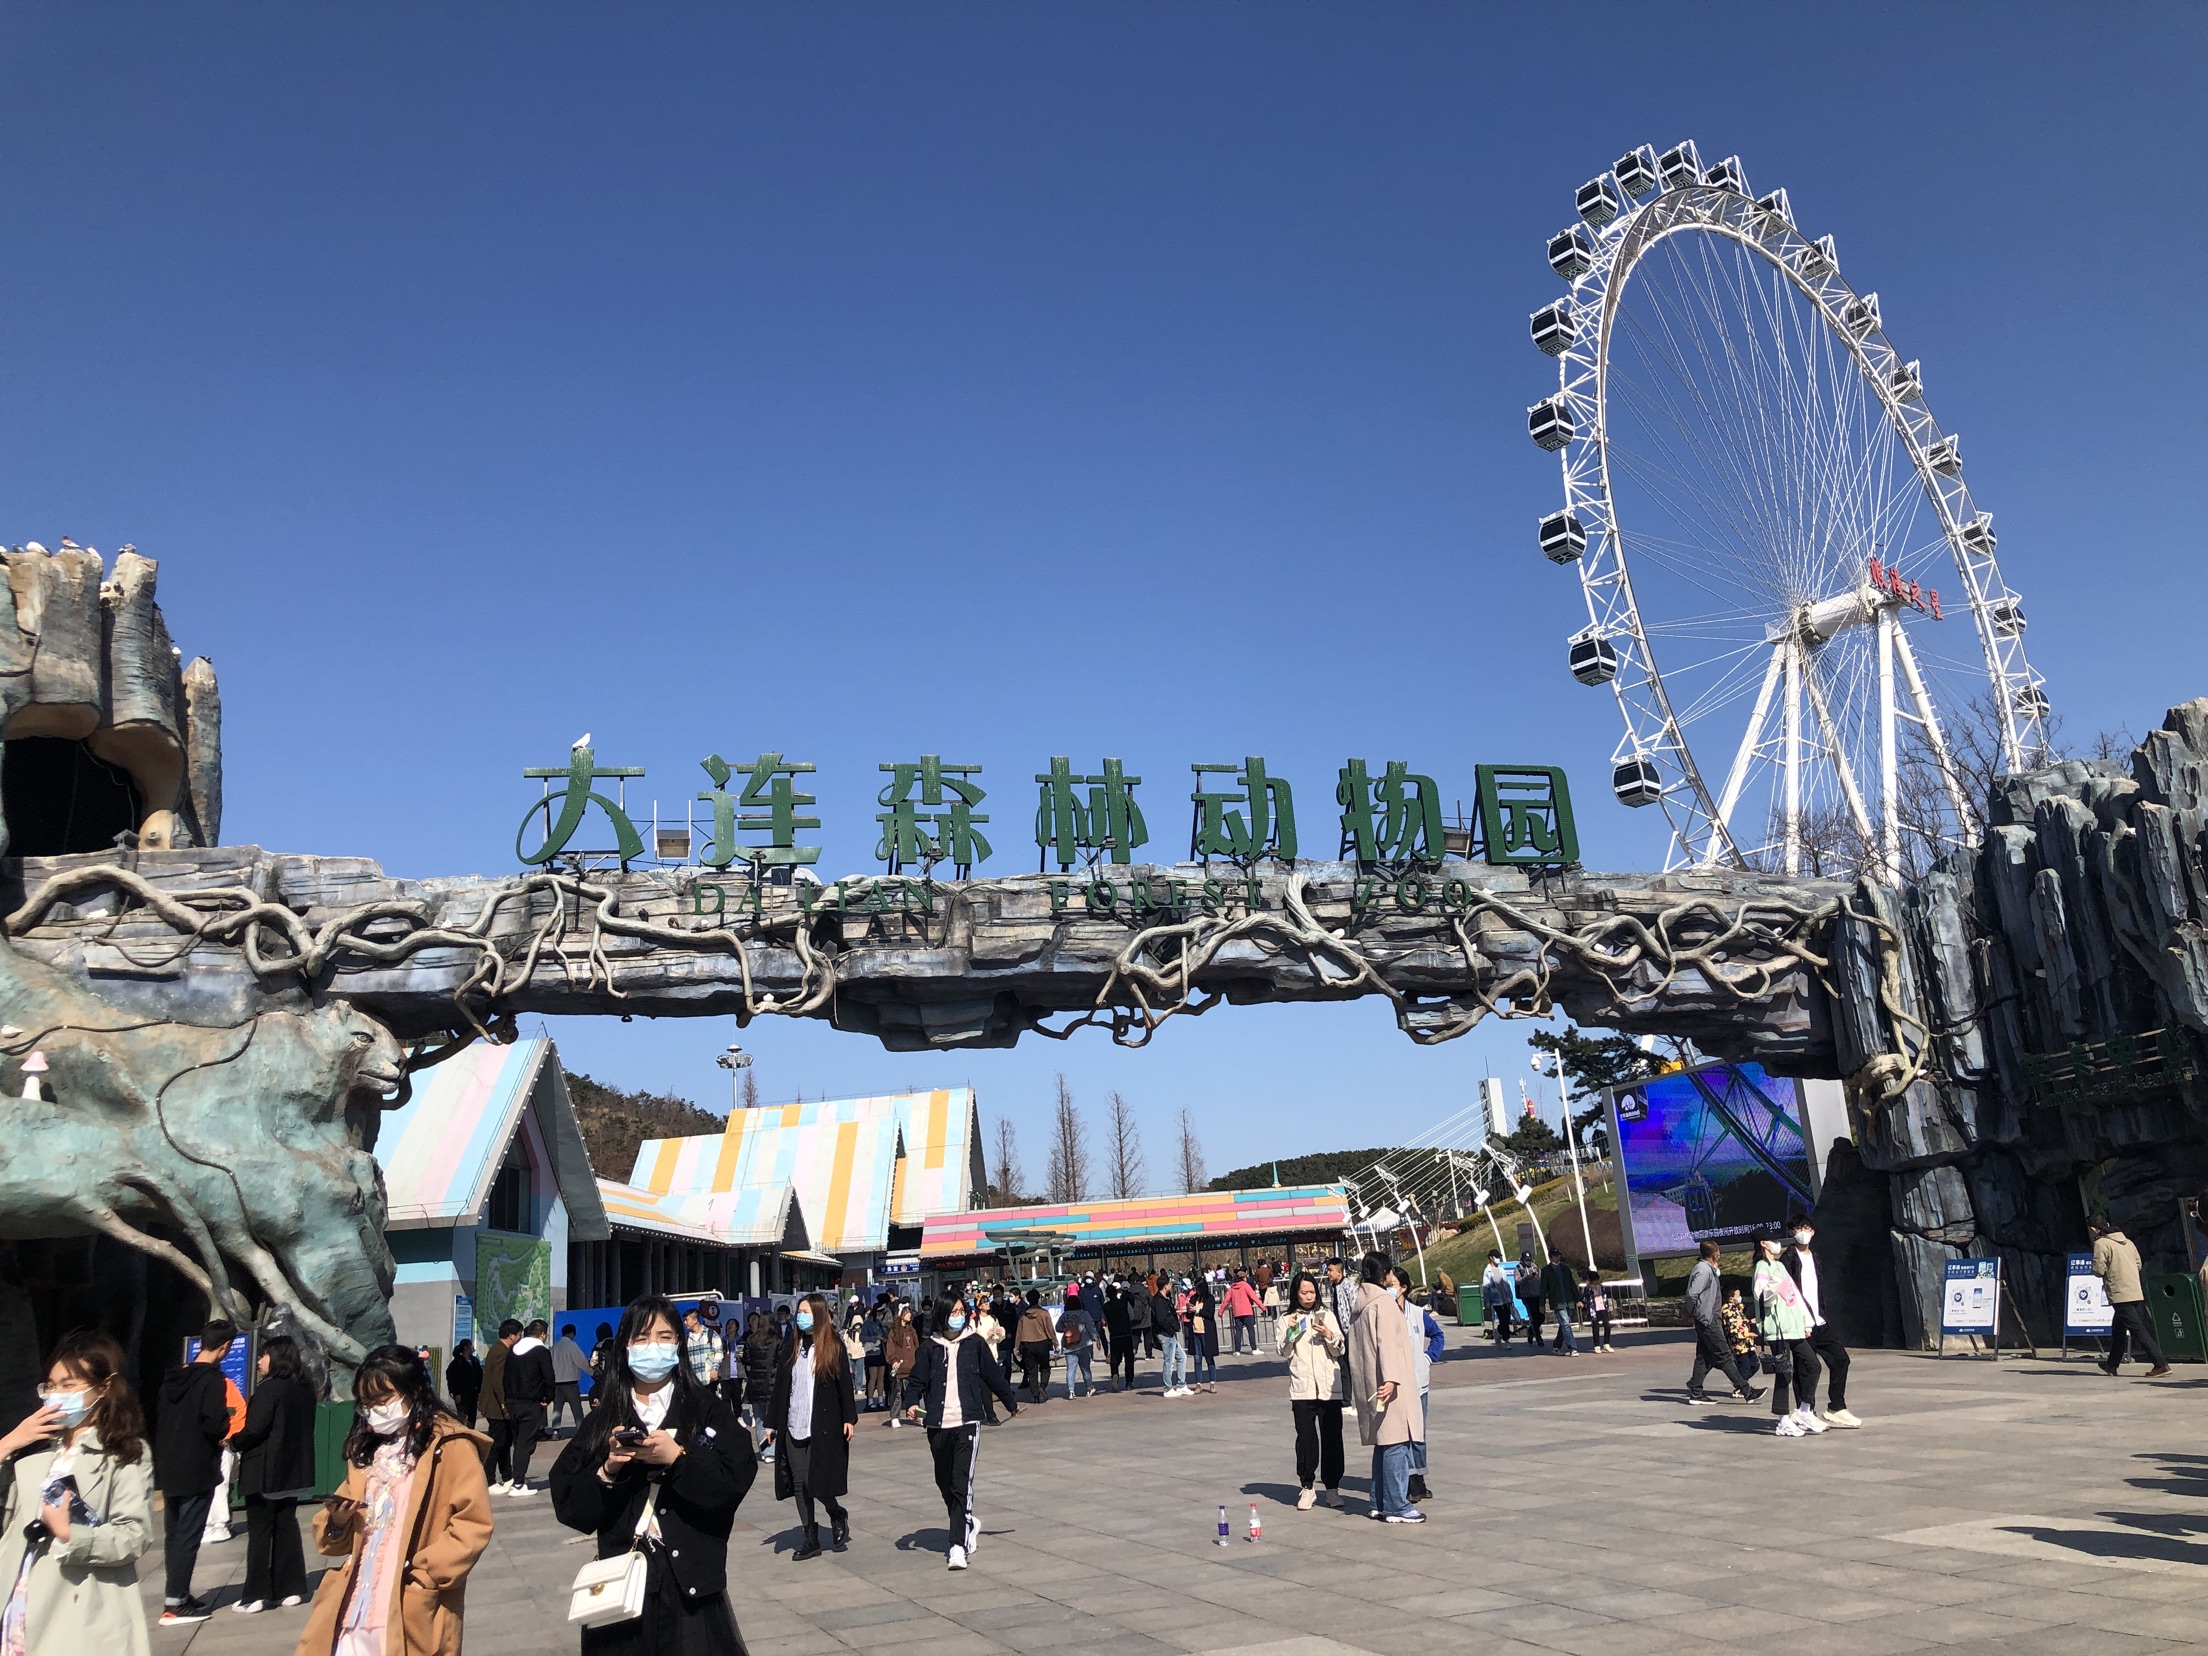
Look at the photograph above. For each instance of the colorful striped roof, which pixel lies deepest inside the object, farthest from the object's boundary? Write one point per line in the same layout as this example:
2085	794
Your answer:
758	1218
441	1150
855	1163
1201	1215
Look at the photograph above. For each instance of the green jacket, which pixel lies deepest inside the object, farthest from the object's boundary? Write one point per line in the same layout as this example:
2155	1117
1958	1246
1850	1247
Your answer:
1781	1312
83	1591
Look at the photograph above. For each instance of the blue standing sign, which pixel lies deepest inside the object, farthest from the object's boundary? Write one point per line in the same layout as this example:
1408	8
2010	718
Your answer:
1970	1300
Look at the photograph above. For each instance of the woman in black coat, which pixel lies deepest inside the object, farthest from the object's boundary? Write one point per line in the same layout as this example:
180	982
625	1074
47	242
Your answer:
660	1429
813	1445
464	1382
1201	1324
275	1469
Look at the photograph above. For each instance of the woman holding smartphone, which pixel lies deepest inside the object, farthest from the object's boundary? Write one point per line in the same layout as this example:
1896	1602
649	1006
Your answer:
1313	1343
661	1466
410	1520
76	1510
814	1411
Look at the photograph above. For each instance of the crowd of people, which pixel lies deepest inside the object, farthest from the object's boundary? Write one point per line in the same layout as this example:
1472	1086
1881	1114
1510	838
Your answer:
681	1413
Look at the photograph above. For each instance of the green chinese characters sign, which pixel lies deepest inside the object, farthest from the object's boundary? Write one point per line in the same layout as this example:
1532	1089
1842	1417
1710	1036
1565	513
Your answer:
1389	817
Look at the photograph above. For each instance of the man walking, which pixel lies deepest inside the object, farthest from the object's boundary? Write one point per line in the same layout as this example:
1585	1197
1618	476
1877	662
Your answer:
1119	1329
1801	1264
1033	1337
499	1466
1077	1336
1241	1306
187	1464
2116	1263
1705	1298
569	1361
1560	1287
529	1387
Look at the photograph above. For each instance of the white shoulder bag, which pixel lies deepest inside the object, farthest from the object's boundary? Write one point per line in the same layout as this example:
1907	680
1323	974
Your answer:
609	1590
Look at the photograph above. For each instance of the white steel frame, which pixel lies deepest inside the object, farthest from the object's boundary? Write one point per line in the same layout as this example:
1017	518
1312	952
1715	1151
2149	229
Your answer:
1701	830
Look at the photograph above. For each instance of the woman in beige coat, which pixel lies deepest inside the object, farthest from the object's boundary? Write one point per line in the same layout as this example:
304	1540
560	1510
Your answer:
410	1520
1313	1343
77	1470
1384	1369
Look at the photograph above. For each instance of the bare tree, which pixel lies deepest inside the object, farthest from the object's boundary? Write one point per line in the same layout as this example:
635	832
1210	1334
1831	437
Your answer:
1069	1149
1191	1155
1123	1148
1004	1186
751	1090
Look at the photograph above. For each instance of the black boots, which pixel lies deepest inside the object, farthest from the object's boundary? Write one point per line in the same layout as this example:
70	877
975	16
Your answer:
811	1548
839	1532
1418	1490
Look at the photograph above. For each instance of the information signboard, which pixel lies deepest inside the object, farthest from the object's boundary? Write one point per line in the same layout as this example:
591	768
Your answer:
1716	1153
2085	1307
1970	1301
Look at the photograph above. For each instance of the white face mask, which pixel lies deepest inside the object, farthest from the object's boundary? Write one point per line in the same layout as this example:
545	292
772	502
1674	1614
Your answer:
385	1419
1801	1238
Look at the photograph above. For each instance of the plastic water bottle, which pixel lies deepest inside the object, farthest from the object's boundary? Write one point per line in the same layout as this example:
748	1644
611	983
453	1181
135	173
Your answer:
1257	1529
1225	1539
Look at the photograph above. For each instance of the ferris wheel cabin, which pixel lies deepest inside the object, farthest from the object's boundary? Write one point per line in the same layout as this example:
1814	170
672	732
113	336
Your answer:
1946	455
1907	382
1636	172
1571	251
1680	166
1552	327
1597	201
1978	534
1549	422
1728	174
1594	659
1563	538
2007	616
1636	782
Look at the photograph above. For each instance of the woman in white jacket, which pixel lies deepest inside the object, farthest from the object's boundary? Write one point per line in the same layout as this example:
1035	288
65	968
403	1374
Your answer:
1313	1343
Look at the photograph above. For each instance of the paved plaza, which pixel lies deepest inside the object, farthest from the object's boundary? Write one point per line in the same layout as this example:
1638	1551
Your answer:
1581	1506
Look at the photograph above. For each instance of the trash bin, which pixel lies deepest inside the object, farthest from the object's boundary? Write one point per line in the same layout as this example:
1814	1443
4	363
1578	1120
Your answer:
1470	1312
333	1422
2173	1307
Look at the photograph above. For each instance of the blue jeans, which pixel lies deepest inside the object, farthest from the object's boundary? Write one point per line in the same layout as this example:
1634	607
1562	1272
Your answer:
1391	1478
1176	1361
1418	1445
1079	1360
1203	1366
1564	1339
1245	1325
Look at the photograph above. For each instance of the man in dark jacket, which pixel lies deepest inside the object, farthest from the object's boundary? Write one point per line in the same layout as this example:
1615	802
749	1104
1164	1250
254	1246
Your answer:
949	1379
1035	1337
531	1384
187	1465
1560	1287
1800	1259
501	1465
1712	1350
1119	1327
464	1381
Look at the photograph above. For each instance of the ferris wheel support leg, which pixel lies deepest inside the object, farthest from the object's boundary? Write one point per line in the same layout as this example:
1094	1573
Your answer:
1966	822
1737	777
1840	765
1793	739
1889	844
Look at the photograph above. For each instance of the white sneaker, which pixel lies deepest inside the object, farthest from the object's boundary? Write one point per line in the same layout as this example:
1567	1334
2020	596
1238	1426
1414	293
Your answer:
1307	1500
250	1607
291	1601
1788	1426
956	1559
1843	1419
517	1489
973	1538
1809	1421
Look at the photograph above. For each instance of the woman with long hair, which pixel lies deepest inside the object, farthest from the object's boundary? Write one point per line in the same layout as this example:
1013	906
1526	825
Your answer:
1200	1324
275	1469
900	1348
410	1520
660	1466
814	1411
76	1510
1313	1343
1782	1316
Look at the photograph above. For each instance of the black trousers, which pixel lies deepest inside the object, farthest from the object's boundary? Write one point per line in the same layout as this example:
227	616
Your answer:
1123	1361
1598	1323
1825	1341
275	1561
1035	1368
187	1517
528	1423
1318	1440
1713	1351
568	1395
955	1449
801	1484
501	1468
1798	1368
2131	1325
1534	1310
1500	1314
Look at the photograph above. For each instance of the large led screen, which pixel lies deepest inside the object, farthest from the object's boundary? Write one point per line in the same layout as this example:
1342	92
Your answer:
1710	1154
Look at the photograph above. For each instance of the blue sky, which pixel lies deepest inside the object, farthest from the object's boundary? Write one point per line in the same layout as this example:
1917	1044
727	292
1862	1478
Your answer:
1003	381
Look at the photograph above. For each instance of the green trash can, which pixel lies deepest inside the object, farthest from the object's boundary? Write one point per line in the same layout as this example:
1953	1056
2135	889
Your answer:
333	1422
1471	1313
2173	1307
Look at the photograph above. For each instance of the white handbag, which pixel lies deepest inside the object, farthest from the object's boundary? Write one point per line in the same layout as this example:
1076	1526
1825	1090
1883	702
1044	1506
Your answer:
609	1590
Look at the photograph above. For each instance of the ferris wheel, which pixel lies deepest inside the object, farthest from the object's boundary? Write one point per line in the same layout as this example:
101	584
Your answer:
1789	588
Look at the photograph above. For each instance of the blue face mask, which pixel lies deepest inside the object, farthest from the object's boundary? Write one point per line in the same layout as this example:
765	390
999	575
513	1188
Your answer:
653	1362
805	1321
72	1405
955	1321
